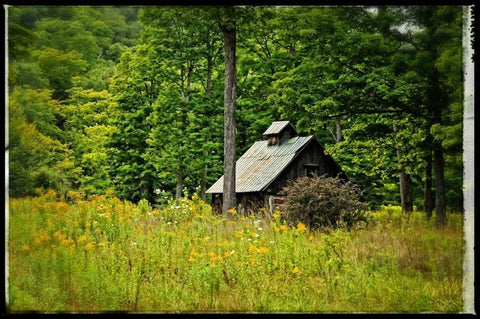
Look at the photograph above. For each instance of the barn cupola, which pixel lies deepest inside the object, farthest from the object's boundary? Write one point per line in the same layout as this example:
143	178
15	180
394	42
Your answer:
278	131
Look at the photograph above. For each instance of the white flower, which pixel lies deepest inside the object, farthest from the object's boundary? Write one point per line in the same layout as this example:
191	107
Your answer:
260	228
157	191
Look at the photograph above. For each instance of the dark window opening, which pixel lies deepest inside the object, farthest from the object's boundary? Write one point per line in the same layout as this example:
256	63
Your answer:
311	170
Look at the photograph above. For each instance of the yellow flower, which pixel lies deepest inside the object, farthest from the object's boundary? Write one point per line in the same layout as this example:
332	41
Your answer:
212	265
251	248
67	241
263	250
239	233
253	261
295	270
191	259
89	246
82	239
310	238
226	254
232	211
87	224
301	227
284	228
25	247
103	243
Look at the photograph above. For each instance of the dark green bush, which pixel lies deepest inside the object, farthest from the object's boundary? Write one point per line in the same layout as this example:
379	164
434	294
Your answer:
321	201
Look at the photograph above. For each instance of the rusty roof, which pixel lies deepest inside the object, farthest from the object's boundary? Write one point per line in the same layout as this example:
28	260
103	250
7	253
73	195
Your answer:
261	164
277	127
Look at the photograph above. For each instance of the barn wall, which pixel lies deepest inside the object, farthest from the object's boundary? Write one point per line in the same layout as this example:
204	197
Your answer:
312	154
246	202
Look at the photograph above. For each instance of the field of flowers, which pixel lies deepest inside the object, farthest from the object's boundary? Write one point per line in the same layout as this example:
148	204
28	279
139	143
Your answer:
98	253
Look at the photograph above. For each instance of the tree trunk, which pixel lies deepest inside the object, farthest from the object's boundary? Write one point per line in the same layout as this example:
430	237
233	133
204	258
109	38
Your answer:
428	200
203	182
438	166
406	187
208	93
229	39
406	192
338	135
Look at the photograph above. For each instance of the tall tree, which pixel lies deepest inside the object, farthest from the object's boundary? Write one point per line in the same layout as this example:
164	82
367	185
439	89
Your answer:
228	26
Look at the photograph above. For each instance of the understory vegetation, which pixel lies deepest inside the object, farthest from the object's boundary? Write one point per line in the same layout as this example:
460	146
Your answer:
96	253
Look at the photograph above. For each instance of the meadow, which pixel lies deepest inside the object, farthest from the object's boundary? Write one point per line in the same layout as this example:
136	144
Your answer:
98	253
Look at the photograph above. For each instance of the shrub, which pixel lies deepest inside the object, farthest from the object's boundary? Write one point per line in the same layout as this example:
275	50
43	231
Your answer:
321	201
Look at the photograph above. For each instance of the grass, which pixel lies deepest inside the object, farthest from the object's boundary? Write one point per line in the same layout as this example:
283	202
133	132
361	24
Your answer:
101	254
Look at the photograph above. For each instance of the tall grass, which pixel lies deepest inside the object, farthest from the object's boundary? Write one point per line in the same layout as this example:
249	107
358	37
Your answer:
102	254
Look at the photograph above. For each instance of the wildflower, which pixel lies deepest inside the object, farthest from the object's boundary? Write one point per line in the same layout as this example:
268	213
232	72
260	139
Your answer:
157	191
210	254
213	265
191	259
226	254
239	233
253	261
301	227
103	243
310	238
89	246
260	228
25	247
87	224
284	228
263	250
232	211
295	270
67	241
82	239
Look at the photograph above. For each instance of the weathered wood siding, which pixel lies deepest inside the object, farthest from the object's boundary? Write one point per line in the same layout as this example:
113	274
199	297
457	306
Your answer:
312	156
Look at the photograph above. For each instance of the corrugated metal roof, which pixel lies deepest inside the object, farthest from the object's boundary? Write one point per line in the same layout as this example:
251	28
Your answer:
261	164
276	127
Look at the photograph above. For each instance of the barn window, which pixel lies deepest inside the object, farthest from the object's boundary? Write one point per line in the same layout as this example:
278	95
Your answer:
311	170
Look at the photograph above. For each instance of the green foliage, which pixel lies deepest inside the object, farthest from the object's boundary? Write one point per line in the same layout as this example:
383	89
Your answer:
36	157
137	92
321	201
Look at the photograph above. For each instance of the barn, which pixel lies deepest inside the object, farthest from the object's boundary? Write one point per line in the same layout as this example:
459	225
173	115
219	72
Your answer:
267	165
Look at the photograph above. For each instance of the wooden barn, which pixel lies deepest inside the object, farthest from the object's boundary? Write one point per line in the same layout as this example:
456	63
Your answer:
265	168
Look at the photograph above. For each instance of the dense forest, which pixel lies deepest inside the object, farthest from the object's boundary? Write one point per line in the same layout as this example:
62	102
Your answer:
130	99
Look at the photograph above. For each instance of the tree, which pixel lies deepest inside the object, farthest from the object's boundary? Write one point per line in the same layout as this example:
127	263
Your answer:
183	134
228	26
